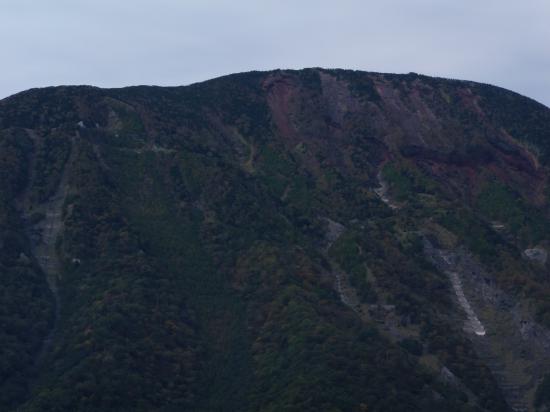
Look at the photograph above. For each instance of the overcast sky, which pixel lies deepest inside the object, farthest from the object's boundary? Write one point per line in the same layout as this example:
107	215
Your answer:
114	43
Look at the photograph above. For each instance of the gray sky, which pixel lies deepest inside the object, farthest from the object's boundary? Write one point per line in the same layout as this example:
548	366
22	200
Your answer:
113	43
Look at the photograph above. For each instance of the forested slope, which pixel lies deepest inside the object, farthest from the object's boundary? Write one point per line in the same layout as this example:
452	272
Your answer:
269	241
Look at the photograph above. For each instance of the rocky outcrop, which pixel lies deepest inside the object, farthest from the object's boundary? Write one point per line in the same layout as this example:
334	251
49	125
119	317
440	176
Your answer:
536	255
505	335
382	192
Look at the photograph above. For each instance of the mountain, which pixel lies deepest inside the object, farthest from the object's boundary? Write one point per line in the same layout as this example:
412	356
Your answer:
314	240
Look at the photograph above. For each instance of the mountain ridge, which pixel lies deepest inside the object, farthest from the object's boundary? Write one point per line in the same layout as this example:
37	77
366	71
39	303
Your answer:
152	86
194	269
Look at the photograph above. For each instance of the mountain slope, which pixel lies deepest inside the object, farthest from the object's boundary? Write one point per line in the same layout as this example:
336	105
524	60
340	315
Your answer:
287	240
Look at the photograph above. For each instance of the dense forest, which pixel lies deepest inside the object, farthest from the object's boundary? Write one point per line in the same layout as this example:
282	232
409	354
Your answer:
272	241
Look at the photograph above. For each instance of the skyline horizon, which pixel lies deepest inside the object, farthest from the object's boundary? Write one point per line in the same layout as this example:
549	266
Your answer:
169	42
270	70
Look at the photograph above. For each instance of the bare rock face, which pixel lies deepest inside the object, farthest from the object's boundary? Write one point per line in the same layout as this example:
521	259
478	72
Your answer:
536	255
448	377
514	346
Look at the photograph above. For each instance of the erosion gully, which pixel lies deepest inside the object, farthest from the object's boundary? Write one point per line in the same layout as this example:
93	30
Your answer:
43	233
503	332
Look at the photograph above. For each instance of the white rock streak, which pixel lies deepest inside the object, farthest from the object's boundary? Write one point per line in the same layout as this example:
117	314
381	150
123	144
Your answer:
382	192
473	323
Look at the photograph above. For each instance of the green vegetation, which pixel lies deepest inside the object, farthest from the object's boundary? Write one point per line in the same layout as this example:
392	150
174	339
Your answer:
476	234
195	274
407	182
525	119
542	397
51	154
498	202
26	312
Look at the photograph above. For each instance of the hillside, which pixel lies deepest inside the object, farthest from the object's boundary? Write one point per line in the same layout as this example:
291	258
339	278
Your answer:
315	240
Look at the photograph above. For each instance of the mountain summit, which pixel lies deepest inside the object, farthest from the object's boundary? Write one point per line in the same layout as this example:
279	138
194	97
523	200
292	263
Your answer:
314	240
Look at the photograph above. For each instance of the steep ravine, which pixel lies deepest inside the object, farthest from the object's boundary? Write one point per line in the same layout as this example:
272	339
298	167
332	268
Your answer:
345	291
503	333
444	260
382	192
514	347
381	313
43	234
